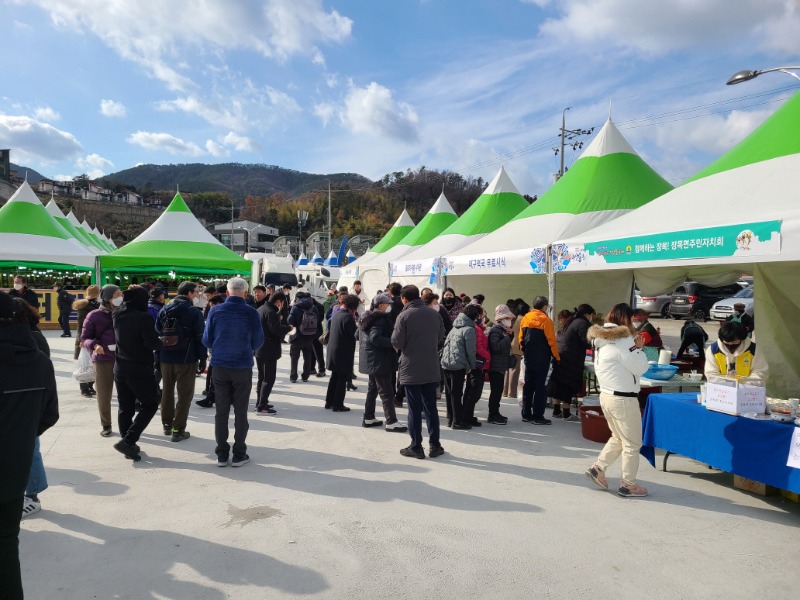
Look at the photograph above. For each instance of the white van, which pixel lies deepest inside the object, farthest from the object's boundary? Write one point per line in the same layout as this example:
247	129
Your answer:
269	268
317	279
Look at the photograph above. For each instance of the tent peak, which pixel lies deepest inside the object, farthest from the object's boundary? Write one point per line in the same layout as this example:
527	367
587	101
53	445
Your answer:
441	206
501	184
25	193
404	220
608	141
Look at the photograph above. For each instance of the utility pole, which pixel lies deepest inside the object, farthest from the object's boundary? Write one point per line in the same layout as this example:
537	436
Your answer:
231	224
571	135
330	228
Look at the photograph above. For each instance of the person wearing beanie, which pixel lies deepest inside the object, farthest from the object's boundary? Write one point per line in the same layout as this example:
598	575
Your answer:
567	377
133	369
83	306
501	335
97	336
28	409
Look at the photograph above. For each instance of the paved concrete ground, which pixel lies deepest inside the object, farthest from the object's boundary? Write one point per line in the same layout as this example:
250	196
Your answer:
331	510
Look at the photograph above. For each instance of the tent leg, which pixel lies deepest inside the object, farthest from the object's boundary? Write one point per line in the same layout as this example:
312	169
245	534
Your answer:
551	283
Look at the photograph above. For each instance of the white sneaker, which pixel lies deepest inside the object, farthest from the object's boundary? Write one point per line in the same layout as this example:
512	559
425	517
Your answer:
398	426
30	506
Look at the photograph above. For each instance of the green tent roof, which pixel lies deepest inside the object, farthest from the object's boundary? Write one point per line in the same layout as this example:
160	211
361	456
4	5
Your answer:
398	231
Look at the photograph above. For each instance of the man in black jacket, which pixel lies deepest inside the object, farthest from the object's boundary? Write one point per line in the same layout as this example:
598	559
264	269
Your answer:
302	341
270	351
29	407
133	369
21	290
179	361
64	302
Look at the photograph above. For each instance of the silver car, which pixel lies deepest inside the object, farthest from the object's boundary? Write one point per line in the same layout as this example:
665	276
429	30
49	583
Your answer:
724	308
653	304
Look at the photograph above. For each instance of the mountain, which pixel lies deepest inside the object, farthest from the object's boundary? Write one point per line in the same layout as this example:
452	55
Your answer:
238	180
33	176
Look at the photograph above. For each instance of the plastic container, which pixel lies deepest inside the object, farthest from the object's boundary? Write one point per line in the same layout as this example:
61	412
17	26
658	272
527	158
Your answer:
594	426
661	372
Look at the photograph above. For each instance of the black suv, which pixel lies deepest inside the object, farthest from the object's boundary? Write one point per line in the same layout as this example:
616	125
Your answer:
695	300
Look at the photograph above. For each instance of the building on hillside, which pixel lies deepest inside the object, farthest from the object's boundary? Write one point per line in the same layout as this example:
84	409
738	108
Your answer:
245	236
97	193
59	188
128	197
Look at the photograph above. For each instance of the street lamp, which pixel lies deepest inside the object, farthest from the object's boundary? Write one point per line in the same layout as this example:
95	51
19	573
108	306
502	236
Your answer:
742	76
302	219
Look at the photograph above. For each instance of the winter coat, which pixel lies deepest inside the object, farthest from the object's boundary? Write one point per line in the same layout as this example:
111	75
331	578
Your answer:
296	318
233	333
446	320
83	306
418	334
375	352
191	319
397	308
456	309
567	377
64	301
537	336
618	363
136	335
98	328
29	406
459	350
274	331
342	343
743	358
26	294
500	340
482	347
153	308
516	349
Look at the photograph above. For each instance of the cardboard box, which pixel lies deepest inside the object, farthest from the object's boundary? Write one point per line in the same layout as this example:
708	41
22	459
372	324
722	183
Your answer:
736	396
748	485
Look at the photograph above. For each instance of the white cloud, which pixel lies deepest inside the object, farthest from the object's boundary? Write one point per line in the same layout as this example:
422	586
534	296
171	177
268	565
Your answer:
325	111
22	26
111	108
372	110
45	113
240	143
657	28
30	139
94	161
215	149
164	142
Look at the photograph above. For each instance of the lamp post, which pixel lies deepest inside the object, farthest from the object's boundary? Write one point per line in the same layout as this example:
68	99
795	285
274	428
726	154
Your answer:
302	219
742	76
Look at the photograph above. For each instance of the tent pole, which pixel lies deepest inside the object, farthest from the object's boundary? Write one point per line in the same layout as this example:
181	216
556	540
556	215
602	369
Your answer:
551	282
97	272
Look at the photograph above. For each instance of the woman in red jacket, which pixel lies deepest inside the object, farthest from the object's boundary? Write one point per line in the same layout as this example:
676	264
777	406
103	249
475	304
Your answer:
474	388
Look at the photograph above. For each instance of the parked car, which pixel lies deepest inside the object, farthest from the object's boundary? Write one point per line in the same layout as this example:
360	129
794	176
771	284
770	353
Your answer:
724	308
653	304
695	300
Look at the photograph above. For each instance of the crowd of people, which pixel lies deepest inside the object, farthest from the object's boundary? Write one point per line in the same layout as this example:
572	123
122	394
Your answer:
413	347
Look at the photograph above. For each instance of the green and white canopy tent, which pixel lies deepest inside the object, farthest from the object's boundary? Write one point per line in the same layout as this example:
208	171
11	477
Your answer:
85	237
396	233
741	214
497	205
176	244
607	181
101	239
88	229
375	275
31	238
78	234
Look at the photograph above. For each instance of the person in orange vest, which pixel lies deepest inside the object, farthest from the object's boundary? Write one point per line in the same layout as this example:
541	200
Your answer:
734	353
537	338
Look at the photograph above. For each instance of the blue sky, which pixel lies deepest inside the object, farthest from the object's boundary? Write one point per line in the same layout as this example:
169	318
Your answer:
97	86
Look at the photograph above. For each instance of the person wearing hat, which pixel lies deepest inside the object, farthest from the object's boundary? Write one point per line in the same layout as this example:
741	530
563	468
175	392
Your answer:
378	360
83	306
133	370
64	302
97	336
567	377
28	409
501	335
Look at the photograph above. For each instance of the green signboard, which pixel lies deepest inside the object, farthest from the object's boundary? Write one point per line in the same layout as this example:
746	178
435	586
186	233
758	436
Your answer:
746	239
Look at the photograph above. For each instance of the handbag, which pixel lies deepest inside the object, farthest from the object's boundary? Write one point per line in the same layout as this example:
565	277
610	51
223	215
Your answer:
323	339
84	369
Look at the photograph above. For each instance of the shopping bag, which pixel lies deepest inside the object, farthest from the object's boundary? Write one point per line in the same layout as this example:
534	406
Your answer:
84	369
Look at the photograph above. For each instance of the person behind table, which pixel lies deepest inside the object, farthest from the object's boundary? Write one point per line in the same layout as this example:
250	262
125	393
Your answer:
649	333
740	316
734	353
692	334
619	361
567	377
537	338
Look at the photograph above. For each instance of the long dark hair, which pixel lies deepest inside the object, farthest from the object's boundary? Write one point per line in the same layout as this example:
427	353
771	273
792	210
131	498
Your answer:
621	314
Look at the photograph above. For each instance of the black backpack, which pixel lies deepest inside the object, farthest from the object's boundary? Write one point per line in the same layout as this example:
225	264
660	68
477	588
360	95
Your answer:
310	322
173	335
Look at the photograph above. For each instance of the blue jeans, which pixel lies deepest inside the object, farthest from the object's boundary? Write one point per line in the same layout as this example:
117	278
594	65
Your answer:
37	480
422	398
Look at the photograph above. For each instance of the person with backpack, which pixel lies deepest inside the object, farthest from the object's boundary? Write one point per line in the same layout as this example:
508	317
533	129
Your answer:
64	302
341	353
180	326
305	319
270	351
692	335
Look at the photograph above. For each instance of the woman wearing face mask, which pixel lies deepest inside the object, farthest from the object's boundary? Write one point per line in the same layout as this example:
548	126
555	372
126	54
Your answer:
98	338
501	335
734	353
452	304
378	360
475	378
567	377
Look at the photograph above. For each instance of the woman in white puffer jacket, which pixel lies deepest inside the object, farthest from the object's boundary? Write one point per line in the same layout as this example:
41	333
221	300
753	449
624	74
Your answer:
619	362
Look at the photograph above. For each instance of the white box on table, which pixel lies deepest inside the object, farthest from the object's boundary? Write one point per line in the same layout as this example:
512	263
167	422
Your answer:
736	396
